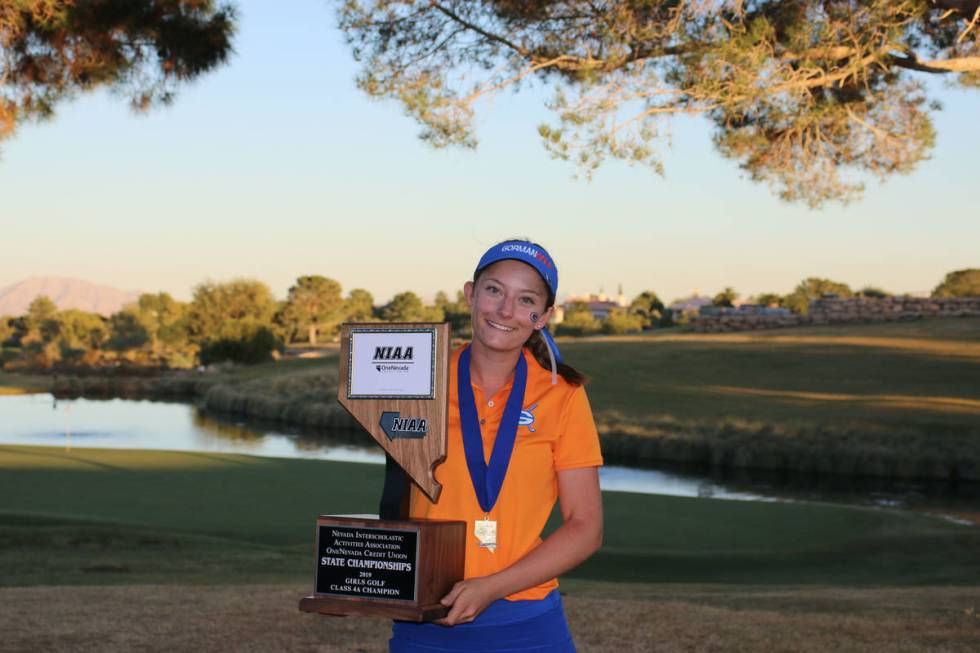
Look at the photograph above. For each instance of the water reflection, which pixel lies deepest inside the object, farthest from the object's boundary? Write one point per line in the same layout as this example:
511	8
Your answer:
921	495
234	431
131	424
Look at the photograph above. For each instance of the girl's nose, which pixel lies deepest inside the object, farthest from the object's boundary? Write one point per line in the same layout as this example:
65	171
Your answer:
506	307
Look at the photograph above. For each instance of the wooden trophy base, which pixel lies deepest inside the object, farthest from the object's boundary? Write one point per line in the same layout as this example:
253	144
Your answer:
345	608
393	569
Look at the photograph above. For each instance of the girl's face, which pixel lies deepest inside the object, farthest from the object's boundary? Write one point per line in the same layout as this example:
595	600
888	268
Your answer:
503	303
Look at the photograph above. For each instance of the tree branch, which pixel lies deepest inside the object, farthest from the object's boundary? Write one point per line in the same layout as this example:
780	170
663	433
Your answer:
964	7
976	16
476	28
475	95
940	66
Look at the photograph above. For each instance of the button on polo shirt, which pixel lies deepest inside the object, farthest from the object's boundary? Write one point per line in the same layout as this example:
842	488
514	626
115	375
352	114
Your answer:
489	415
557	433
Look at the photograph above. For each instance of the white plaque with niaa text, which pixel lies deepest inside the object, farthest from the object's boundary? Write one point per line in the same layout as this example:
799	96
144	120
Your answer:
392	363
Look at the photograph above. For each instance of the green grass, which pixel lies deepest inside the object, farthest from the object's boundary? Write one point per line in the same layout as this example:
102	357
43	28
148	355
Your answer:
43	550
925	373
889	400
15	384
108	517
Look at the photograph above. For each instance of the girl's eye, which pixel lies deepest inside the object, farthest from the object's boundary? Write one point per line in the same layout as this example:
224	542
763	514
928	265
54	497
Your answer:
493	290
527	301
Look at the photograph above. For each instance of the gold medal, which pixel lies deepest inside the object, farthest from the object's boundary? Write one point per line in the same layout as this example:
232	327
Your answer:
486	532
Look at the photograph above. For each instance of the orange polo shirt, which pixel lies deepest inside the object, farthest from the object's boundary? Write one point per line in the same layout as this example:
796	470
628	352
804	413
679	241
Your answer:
556	433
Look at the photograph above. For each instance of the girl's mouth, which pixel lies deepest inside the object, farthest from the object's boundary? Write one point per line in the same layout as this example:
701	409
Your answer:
500	327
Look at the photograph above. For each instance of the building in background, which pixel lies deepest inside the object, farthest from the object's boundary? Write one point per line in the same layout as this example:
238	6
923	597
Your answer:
600	305
689	306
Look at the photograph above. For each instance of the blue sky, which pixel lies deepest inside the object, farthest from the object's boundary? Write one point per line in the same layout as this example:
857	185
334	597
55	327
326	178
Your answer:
277	166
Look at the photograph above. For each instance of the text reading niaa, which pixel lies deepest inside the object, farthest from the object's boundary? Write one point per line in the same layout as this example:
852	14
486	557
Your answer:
393	353
410	424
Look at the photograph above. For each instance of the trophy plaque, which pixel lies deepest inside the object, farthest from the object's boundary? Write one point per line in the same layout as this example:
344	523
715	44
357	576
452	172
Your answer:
394	381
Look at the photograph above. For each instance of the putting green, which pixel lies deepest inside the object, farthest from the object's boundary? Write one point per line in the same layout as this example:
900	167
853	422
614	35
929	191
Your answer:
96	516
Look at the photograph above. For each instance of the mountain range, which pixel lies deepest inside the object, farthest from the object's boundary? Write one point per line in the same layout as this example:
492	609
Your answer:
65	293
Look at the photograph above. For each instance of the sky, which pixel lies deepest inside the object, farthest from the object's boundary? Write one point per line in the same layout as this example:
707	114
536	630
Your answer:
276	166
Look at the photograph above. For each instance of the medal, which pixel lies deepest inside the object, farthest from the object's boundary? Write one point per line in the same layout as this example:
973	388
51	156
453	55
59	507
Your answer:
488	478
486	532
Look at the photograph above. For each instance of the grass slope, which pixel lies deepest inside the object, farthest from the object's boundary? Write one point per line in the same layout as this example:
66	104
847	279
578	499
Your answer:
108	516
889	400
895	374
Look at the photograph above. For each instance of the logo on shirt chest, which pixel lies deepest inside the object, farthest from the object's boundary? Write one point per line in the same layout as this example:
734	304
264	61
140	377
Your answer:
527	418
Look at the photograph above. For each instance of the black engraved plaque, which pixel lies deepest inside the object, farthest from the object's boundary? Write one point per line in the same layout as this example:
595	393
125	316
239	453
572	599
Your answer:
366	562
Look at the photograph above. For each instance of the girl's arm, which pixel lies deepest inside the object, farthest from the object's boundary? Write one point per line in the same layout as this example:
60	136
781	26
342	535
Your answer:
579	536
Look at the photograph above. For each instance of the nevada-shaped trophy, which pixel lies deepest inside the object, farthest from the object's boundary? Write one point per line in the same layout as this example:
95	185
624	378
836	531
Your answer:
394	381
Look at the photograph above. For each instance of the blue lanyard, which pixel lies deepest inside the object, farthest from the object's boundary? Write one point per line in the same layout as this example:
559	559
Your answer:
488	479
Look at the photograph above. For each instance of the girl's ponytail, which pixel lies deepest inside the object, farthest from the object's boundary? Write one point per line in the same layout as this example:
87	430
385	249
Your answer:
539	349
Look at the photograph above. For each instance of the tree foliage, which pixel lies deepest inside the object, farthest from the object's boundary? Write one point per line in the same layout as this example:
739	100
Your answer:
7	329
808	96
960	283
37	319
79	331
620	321
165	319
768	299
314	305
813	288
154	329
359	306
51	50
872	292
408	307
233	321
726	298
578	321
649	309
456	312
245	340
128	331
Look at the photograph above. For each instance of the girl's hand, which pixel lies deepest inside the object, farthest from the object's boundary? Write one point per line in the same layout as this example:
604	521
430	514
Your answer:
467	599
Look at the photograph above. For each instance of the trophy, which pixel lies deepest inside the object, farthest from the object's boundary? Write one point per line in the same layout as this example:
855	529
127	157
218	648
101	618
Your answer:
394	381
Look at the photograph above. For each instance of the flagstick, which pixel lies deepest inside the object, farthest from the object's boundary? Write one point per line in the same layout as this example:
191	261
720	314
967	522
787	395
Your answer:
67	428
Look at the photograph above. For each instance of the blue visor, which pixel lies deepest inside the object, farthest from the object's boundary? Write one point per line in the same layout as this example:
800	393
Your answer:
525	252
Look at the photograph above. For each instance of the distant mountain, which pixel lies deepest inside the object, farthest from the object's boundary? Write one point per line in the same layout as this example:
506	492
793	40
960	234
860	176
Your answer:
66	293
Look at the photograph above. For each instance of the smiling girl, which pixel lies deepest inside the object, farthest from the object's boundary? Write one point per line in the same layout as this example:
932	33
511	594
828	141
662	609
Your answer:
521	436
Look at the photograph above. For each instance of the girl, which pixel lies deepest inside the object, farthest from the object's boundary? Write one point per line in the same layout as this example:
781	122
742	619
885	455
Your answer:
521	435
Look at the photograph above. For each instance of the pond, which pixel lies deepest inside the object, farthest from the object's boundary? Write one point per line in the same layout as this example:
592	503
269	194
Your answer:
40	419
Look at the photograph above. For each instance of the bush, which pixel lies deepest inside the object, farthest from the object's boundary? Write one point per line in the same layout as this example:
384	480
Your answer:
619	322
7	330
241	341
814	288
961	283
872	293
578	321
42	354
649	309
8	354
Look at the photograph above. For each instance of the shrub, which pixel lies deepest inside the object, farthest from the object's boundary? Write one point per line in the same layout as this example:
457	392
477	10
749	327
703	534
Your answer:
241	341
618	322
578	321
961	283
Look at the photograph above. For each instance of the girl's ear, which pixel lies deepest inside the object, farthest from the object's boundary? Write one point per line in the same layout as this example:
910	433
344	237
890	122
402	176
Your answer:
543	320
468	293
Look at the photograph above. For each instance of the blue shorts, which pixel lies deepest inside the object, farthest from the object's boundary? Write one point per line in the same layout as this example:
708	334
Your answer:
506	626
